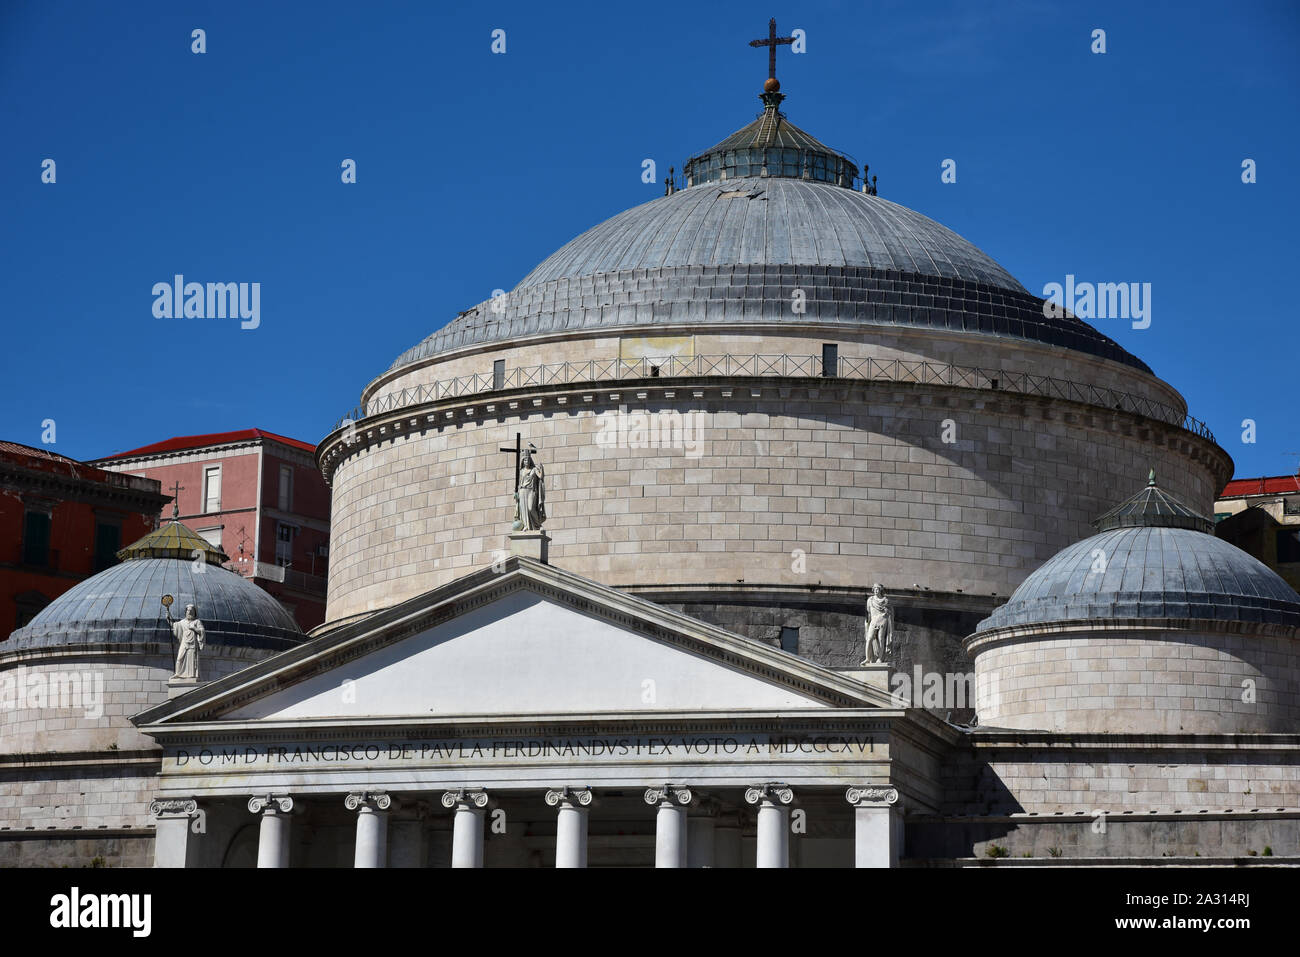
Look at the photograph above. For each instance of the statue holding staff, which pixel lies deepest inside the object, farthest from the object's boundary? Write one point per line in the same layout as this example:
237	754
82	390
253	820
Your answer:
189	636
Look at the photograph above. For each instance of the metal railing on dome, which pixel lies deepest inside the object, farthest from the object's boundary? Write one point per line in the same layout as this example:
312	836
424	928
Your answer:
919	372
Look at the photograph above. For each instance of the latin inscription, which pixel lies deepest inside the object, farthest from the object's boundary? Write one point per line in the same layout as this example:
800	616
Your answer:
425	752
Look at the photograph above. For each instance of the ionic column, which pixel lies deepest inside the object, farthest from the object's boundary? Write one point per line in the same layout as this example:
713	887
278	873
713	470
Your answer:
467	826
700	833
878	826
773	823
570	825
273	835
670	823
372	827
172	846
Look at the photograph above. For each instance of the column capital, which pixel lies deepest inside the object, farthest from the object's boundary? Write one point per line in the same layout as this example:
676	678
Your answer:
368	801
772	793
465	798
570	797
270	804
173	807
871	795
669	795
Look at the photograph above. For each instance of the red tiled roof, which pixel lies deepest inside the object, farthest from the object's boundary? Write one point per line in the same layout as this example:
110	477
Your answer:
1267	485
42	459
203	441
29	451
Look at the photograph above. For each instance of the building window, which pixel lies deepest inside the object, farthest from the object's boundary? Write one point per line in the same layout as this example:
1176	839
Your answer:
36	539
211	535
29	605
1288	545
286	488
499	374
108	540
284	543
212	488
830	359
790	640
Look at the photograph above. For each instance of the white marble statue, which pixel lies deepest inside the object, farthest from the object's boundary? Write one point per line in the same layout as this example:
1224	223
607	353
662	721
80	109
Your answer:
530	500
189	638
880	626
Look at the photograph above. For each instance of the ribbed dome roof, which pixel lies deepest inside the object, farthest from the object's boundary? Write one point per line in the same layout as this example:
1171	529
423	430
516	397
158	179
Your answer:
1151	561
174	540
734	252
768	210
771	221
121	605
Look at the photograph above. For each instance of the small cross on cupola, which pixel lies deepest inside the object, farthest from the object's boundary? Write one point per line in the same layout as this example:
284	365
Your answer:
176	501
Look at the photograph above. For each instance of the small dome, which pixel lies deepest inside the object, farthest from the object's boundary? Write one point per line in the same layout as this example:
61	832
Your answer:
122	605
1155	558
174	540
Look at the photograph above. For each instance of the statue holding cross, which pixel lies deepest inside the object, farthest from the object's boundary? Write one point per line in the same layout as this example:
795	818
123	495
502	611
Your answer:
530	488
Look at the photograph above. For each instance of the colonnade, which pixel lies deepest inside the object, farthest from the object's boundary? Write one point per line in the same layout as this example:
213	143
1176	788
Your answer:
690	830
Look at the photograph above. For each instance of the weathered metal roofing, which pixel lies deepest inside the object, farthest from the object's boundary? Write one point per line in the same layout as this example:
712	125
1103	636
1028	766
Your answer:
174	540
1156	557
771	146
121	605
1144	572
1153	507
771	221
771	128
734	253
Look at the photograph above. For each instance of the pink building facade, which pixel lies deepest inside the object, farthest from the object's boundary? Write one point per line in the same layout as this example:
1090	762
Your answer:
259	497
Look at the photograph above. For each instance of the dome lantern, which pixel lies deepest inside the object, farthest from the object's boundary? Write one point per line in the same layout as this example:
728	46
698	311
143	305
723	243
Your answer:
772	145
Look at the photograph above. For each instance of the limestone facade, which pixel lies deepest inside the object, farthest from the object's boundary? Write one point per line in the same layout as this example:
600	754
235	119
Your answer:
796	482
76	776
1143	678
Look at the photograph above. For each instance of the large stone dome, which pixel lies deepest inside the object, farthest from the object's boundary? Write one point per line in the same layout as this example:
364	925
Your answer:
734	252
767	211
747	222
864	387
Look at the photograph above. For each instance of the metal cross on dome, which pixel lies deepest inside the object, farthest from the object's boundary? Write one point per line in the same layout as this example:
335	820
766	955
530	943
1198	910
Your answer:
772	42
176	501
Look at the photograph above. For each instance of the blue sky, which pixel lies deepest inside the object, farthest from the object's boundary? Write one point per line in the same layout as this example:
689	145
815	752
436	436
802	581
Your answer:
472	167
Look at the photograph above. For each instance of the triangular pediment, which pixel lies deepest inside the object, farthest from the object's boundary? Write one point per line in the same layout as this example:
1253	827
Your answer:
528	640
